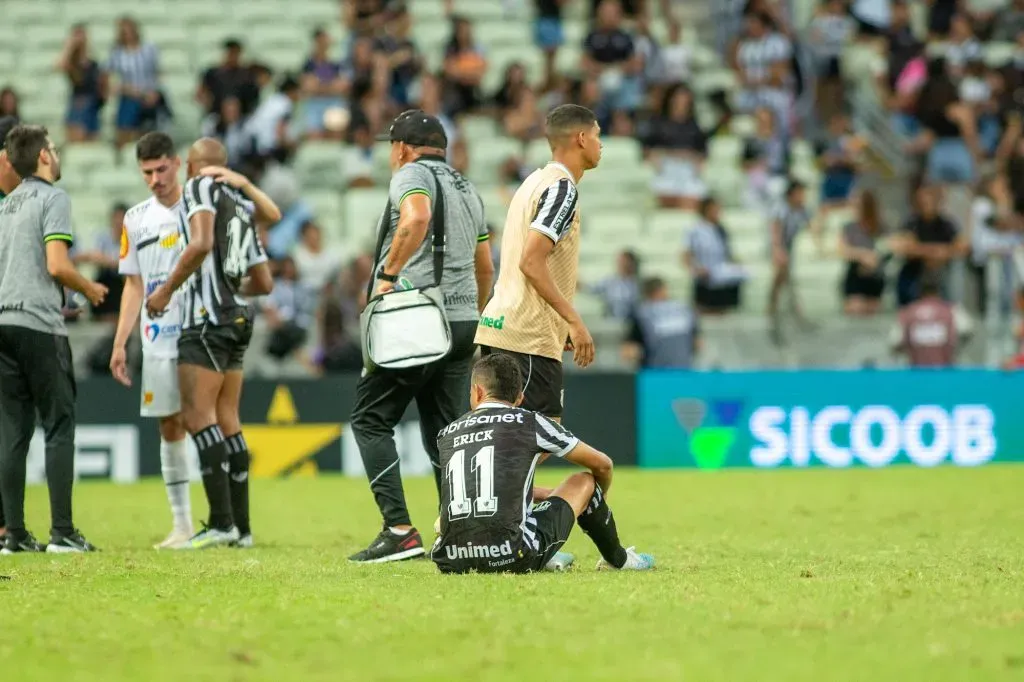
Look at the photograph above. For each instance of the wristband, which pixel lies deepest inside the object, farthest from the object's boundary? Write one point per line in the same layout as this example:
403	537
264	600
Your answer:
383	276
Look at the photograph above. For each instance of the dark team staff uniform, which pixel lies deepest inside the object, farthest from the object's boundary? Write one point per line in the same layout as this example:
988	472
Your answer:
35	357
216	324
488	522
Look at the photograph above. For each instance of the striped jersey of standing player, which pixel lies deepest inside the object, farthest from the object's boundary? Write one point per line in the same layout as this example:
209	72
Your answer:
150	247
531	315
222	262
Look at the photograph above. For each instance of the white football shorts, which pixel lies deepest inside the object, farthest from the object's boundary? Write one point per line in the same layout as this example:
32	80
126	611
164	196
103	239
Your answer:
160	396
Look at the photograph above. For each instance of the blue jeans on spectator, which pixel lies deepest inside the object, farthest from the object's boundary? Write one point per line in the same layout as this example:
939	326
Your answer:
129	113
949	161
989	132
906	124
547	33
84	112
285	235
628	96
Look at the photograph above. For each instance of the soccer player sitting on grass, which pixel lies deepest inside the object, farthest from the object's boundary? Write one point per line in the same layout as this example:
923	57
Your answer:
488	456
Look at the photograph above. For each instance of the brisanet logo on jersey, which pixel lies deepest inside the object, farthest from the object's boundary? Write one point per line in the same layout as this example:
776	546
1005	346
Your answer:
873	435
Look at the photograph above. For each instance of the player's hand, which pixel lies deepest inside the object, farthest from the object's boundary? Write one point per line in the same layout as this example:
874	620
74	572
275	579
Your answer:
119	366
96	293
158	301
226	175
582	344
385	287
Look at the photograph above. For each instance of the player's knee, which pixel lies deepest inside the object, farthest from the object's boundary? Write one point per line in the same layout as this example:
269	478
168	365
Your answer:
367	429
172	429
196	421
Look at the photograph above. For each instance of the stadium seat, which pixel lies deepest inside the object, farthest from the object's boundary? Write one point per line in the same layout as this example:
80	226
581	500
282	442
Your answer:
486	155
362	211
668	228
318	164
88	158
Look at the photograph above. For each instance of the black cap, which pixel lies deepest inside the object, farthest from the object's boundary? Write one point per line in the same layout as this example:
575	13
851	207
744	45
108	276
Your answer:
6	123
232	44
418	129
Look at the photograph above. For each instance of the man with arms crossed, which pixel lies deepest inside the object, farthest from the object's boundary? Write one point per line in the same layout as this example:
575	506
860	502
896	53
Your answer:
150	244
488	523
223	262
8	181
36	374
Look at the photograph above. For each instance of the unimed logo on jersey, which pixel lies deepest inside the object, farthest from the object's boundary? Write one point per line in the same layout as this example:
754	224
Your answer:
471	551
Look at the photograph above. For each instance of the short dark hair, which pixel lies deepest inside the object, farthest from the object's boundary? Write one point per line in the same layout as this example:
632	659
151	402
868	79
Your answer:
307	226
23	145
232	44
652	285
500	376
289	83
155	145
7	124
793	187
568	118
119	207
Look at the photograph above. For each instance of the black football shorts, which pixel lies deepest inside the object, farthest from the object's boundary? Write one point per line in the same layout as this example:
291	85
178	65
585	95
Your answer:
542	381
552	521
219	348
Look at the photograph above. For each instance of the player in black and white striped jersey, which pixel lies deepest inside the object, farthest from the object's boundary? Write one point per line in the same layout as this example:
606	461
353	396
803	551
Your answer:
788	220
488	457
223	262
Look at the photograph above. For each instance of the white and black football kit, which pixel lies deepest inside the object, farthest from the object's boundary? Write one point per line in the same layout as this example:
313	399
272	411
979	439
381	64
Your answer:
488	521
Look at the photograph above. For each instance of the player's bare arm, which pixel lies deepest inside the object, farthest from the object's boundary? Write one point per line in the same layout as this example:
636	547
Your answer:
60	267
259	281
483	267
598	463
266	210
413	222
127	319
191	259
534	266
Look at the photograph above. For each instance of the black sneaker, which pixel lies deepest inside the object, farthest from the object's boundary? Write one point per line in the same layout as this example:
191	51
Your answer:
26	543
390	547
69	543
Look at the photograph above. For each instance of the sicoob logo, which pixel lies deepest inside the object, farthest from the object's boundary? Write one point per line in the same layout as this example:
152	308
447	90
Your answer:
709	442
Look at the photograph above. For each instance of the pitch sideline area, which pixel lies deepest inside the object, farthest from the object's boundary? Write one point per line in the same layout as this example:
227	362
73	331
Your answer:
897	574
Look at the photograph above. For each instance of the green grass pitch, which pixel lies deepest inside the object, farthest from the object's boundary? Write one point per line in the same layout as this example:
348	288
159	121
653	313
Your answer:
899	574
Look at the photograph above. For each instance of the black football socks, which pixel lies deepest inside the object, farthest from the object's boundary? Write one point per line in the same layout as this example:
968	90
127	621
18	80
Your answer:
213	461
238	471
599	525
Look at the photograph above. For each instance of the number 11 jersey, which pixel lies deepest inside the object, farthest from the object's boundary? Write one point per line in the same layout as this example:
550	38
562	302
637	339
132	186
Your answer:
488	458
211	295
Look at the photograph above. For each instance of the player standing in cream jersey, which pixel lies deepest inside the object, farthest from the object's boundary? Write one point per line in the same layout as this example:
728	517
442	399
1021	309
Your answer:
150	246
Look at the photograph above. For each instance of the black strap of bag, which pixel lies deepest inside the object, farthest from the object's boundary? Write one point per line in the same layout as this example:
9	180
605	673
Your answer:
437	222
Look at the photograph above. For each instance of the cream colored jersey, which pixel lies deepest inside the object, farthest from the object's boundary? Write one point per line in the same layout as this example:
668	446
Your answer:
517	318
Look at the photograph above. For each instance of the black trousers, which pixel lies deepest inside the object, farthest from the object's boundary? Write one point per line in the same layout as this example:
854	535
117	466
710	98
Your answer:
36	375
441	392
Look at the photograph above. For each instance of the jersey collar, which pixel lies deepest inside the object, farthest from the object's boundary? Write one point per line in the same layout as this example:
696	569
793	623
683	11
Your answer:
572	178
493	404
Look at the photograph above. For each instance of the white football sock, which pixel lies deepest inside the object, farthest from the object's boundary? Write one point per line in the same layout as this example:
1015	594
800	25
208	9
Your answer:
174	466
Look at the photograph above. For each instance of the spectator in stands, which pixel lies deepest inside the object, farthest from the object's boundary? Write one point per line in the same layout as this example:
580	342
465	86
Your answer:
677	148
324	87
88	86
230	78
664	333
525	121
610	56
338	350
873	16
962	46
717	277
864	281
762	59
765	159
229	128
995	235
464	68
548	33
403	59
9	103
364	18
1009	23
940	18
430	100
511	89
929	242
288	310
903	45
269	125
675	58
830	30
950	130
788	221
105	255
620	292
838	158
317	264
357	158
931	331
136	66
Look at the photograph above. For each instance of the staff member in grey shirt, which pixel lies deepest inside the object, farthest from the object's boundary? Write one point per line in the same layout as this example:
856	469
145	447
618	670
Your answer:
35	357
664	334
8	181
440	389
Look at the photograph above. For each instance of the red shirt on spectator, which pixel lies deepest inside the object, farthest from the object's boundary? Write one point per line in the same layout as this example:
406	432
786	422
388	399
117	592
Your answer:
931	331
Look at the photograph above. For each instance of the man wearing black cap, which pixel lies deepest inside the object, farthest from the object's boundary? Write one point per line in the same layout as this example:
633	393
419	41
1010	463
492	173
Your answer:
440	389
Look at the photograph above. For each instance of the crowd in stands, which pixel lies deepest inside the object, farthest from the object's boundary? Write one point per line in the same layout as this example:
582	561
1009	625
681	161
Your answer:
955	105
